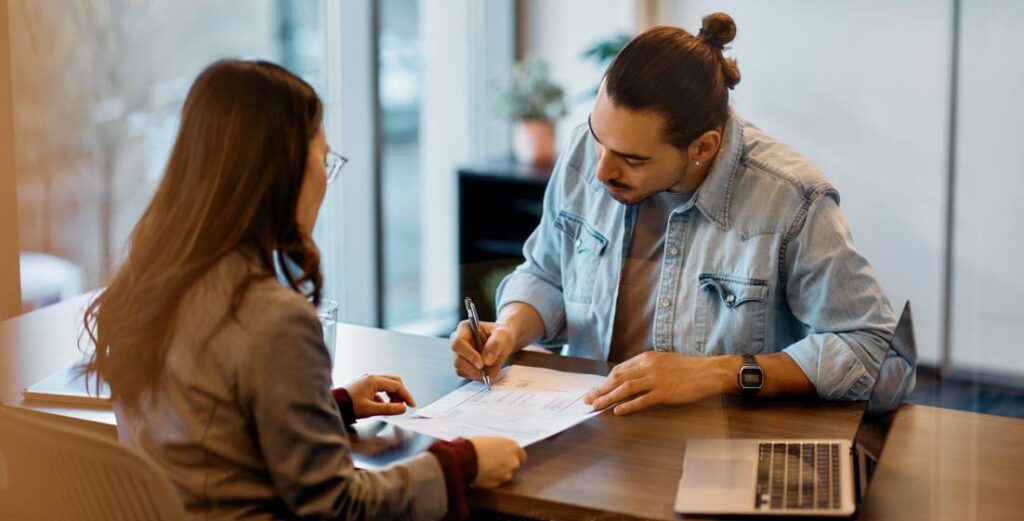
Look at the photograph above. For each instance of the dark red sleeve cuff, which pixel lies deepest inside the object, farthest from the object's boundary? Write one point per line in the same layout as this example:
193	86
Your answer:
344	401
458	463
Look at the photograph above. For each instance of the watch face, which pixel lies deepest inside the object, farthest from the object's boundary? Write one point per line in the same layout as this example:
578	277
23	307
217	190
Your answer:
750	378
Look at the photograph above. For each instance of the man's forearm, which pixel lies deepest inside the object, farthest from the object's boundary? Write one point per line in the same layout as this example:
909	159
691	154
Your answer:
782	376
523	321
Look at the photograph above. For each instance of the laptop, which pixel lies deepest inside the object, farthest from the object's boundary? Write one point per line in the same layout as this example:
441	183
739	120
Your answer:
794	477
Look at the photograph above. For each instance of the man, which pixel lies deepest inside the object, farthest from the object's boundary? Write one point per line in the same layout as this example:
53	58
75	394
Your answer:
687	244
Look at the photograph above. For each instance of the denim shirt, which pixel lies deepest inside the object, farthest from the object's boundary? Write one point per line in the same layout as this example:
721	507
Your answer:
760	260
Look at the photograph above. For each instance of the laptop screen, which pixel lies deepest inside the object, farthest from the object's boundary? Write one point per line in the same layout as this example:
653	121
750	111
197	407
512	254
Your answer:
895	380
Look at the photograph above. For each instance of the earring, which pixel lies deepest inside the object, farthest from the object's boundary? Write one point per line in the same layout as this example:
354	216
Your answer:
696	163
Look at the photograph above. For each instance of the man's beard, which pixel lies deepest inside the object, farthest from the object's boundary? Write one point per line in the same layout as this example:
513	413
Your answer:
629	201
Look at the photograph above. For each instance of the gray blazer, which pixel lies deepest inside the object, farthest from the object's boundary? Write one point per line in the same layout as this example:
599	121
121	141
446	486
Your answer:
245	424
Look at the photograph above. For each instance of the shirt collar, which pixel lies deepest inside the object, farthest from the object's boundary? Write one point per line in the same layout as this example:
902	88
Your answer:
715	193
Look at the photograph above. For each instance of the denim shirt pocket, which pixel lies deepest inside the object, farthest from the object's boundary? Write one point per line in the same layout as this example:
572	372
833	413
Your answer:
731	314
584	246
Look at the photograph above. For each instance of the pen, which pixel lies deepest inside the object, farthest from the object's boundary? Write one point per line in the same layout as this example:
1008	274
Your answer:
474	325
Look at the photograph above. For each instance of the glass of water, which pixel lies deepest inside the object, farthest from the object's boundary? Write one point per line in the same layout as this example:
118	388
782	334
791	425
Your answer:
327	312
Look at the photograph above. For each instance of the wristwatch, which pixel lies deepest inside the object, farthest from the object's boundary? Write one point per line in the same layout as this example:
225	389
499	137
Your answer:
751	377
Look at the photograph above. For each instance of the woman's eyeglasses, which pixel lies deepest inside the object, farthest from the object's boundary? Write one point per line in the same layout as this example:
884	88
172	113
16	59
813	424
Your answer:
334	163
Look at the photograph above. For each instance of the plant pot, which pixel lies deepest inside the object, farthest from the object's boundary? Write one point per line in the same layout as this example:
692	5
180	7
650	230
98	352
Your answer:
534	142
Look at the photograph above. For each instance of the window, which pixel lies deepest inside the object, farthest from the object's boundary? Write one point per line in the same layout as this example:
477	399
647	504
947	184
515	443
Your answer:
98	88
439	66
400	76
409	91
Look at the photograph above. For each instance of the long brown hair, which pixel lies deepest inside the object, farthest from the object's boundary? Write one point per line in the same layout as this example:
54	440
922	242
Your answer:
683	77
231	184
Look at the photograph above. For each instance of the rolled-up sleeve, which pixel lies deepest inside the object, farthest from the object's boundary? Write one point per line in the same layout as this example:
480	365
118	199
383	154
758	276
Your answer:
304	443
832	289
538	280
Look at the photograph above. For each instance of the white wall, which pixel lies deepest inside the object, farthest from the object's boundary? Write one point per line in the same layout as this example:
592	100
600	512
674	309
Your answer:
862	89
467	48
10	285
559	31
987	315
445	142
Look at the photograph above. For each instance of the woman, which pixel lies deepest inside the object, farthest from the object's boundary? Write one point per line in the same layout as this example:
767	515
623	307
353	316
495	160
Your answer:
218	371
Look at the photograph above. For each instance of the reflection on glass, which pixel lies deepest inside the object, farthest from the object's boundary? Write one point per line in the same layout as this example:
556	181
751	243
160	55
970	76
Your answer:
399	86
894	382
97	91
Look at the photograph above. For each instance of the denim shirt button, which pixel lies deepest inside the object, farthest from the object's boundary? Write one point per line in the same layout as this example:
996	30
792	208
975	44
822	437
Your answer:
665	302
730	299
673	251
579	243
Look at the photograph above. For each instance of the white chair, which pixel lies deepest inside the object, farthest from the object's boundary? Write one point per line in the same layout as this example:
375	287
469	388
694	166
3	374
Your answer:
52	471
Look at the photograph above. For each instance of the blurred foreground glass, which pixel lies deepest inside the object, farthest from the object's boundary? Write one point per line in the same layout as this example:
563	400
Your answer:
327	312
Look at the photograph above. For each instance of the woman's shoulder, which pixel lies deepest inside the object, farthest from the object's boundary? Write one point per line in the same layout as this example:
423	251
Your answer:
268	302
262	301
258	301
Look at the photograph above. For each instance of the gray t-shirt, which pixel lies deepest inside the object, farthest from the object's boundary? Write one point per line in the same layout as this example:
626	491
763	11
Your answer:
633	331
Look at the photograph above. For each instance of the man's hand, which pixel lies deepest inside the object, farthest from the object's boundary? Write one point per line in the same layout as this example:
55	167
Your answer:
367	398
654	378
499	344
518	324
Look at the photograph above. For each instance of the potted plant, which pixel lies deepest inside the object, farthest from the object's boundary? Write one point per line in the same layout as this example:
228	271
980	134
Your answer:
603	52
534	103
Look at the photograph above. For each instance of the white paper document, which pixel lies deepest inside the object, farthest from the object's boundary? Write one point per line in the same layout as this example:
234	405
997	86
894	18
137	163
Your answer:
526	404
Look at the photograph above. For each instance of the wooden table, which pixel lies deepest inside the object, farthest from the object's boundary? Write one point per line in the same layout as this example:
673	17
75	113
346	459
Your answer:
938	463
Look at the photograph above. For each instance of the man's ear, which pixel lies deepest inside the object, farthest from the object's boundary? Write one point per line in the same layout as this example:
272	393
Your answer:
705	147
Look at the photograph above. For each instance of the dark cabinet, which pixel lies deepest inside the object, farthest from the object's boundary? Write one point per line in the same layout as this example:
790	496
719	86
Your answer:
500	204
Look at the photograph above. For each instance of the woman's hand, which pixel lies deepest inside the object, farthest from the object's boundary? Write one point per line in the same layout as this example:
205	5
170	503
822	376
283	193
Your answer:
497	460
368	396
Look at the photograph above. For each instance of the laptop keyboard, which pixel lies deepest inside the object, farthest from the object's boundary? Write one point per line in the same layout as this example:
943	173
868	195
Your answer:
799	476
